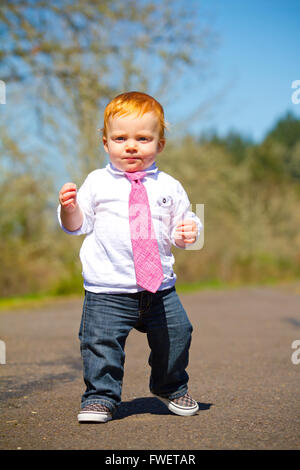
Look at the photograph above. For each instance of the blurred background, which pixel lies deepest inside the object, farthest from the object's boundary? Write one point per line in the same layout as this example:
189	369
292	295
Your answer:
224	72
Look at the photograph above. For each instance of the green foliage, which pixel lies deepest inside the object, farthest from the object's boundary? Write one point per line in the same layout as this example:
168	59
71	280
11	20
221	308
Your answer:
286	133
251	210
62	62
66	60
251	222
234	144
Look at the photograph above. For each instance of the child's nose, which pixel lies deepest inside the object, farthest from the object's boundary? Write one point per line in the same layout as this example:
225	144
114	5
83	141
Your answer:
131	145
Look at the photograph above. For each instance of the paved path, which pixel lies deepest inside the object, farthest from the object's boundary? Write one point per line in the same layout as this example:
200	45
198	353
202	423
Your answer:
241	373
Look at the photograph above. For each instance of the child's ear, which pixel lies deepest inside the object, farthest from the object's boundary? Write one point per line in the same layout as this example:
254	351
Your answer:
161	145
104	141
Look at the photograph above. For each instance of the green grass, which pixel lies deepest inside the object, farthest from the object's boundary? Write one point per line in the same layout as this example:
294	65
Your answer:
196	286
31	301
221	285
37	300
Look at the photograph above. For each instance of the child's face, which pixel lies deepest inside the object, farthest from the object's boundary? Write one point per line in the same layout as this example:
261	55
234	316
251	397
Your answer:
133	142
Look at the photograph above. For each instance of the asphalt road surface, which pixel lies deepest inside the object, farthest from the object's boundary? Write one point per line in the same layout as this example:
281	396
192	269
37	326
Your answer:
243	372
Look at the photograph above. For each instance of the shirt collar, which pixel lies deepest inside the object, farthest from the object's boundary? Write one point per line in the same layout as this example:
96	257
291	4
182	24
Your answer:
112	169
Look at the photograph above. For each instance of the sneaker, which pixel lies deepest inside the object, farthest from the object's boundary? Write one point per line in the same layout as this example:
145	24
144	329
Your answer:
182	406
94	412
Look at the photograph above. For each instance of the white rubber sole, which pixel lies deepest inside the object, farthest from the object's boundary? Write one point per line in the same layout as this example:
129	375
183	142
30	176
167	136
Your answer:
177	409
94	417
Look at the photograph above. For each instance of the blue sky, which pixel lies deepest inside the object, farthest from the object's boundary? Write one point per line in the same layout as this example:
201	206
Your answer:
251	70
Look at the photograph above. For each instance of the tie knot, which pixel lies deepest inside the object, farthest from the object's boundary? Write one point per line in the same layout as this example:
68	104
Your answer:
135	176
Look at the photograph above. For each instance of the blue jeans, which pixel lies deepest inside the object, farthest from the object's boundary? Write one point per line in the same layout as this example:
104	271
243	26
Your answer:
106	322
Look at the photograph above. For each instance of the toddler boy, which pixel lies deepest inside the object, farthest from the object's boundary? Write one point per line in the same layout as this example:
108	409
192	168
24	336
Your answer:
131	213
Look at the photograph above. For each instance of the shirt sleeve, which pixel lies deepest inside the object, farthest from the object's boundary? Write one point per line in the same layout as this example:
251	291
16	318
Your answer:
181	211
85	201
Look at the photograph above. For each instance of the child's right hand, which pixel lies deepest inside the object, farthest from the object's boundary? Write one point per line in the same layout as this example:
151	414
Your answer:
67	197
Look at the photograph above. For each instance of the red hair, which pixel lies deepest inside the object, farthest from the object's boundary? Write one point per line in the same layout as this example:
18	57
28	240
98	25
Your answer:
134	102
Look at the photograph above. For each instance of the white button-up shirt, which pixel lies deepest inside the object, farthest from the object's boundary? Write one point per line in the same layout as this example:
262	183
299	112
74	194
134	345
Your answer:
106	252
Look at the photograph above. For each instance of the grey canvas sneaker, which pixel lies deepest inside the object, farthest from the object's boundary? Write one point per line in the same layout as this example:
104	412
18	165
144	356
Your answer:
94	413
182	406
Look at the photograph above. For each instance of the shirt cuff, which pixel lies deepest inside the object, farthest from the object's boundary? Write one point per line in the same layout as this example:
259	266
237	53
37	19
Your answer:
79	231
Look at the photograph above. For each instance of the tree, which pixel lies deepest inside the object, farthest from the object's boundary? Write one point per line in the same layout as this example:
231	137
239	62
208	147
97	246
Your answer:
235	144
61	62
69	57
286	132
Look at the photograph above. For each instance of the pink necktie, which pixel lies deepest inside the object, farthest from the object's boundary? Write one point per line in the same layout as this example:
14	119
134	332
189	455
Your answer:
148	268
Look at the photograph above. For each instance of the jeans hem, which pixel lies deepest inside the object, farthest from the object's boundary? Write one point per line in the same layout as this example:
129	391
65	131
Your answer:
171	396
100	401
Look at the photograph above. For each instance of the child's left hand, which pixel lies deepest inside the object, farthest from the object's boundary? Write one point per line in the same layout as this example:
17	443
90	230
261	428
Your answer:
185	233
